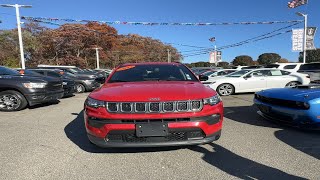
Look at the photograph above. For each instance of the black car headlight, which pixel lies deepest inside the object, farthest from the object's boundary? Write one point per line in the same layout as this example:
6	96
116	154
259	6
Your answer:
212	100
94	103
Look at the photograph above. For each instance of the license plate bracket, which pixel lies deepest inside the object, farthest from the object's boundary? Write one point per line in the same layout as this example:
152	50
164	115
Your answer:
151	129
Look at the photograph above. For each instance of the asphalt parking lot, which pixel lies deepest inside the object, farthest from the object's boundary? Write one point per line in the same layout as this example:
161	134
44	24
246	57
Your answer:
49	142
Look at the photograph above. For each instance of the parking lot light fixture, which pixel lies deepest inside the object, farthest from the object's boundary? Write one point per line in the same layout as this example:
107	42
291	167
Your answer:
17	6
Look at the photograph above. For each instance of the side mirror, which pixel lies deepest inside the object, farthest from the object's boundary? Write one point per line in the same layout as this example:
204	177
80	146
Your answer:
100	80
203	78
248	76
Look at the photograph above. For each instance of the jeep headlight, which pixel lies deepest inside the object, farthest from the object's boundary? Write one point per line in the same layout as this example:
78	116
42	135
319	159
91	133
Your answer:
34	85
212	100
94	103
64	83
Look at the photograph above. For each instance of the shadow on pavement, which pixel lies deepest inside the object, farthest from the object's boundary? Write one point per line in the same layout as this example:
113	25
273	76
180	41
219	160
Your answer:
302	140
238	166
307	142
247	115
76	132
50	103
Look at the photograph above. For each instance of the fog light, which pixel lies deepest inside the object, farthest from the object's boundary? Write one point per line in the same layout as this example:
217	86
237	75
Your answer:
195	135
214	119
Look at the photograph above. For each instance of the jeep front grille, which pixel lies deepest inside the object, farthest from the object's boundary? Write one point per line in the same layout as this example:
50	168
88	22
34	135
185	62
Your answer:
154	107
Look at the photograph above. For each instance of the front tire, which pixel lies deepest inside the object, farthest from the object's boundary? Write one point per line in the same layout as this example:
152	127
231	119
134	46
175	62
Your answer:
12	101
225	89
293	84
80	88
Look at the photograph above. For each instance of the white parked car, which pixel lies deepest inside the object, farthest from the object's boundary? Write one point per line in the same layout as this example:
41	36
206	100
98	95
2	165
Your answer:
292	67
218	73
253	80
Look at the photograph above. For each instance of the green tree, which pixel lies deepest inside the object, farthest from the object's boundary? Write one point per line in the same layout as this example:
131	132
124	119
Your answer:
283	60
269	58
242	60
223	65
312	56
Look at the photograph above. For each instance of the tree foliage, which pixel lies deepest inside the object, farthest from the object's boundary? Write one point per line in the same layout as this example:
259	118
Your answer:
243	60
224	65
269	58
283	60
200	64
73	44
312	56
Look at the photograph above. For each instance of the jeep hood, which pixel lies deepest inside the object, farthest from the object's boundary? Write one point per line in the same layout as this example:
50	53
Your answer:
152	91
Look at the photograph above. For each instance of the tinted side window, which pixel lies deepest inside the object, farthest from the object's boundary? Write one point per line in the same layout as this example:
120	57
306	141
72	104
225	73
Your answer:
289	66
312	66
285	72
53	74
40	72
260	73
272	66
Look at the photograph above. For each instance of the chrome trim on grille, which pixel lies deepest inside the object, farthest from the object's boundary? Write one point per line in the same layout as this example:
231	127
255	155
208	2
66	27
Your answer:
159	104
183	110
126	103
145	107
200	107
117	106
173	108
133	107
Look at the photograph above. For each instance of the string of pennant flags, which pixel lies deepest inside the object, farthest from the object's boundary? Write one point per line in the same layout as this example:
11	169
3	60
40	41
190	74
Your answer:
154	23
204	50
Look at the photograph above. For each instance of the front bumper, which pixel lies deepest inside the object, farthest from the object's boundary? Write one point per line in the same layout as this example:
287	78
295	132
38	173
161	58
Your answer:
39	98
304	119
103	142
187	129
91	85
69	90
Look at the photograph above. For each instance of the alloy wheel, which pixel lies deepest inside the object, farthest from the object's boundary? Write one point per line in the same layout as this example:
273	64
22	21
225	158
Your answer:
225	89
292	84
9	102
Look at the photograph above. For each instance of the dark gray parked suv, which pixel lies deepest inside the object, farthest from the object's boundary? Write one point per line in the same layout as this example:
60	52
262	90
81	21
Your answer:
18	91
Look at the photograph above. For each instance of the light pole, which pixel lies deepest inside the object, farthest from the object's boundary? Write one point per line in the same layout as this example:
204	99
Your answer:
169	55
304	35
17	6
97	55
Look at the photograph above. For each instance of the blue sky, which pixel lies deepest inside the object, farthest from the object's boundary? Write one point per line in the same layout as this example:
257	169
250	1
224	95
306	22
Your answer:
184	11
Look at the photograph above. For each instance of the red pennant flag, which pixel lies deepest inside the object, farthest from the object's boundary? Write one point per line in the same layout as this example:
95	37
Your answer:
296	3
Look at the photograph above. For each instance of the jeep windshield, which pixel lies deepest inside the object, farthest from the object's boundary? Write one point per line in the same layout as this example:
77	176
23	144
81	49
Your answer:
152	72
238	73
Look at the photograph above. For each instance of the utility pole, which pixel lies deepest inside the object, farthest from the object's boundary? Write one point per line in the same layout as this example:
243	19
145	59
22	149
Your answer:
17	6
169	55
215	55
97	56
304	35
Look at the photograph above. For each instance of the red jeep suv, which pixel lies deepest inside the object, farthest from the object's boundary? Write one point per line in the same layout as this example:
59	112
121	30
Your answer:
153	104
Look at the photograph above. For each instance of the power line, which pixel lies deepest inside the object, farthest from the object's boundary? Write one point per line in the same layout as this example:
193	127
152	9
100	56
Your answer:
254	39
236	45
